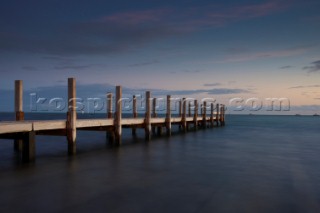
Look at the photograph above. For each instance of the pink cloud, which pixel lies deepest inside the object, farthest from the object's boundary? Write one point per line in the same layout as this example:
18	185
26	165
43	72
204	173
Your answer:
190	19
233	14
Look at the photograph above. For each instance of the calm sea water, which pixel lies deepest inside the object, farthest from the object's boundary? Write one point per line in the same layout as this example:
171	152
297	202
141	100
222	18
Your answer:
253	164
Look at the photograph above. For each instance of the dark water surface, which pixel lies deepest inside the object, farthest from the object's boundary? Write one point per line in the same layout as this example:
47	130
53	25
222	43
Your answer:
253	164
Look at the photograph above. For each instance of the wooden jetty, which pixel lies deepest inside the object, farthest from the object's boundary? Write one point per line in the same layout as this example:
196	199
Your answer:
23	132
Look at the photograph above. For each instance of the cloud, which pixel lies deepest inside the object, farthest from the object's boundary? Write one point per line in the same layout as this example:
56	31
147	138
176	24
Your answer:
315	67
137	17
307	86
128	30
76	67
234	14
286	67
314	19
212	85
191	71
307	108
216	91
246	56
144	63
29	68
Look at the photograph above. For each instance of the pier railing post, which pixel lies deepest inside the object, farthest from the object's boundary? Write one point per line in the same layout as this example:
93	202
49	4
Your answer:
118	116
195	115
135	114
168	115
204	115
110	134
19	114
72	117
148	117
189	109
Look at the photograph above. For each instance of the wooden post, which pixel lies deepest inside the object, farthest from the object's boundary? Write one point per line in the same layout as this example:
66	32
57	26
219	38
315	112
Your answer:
135	114
118	116
180	112
110	134
189	114
159	127
211	115
195	115
148	117
109	105
154	114
159	130
72	117
29	147
168	116
204	115
222	115
18	103
184	114
217	115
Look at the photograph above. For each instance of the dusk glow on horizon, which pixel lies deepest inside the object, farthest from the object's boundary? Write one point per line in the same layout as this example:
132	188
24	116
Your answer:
220	49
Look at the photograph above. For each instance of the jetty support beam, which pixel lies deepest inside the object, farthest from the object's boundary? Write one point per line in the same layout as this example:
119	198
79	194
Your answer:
71	117
168	116
118	116
148	117
19	114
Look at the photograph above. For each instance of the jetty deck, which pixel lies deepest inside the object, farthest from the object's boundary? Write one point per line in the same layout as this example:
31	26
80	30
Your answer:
23	132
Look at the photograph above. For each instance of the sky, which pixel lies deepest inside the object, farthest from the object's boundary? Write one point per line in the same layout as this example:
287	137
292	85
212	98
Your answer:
224	50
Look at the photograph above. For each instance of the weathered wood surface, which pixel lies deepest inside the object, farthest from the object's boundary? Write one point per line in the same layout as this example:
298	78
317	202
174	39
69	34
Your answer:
41	125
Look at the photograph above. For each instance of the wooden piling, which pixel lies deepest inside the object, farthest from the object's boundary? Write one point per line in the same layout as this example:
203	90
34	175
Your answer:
148	117
29	147
154	114
135	114
189	114
118	116
71	117
204	115
222	115
168	115
180	112
109	105
218	115
184	115
110	134
195	115
211	114
19	114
